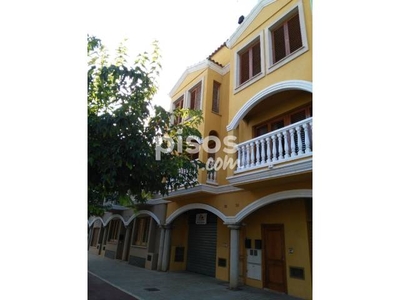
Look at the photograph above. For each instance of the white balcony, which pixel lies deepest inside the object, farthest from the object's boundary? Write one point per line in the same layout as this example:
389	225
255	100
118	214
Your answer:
289	143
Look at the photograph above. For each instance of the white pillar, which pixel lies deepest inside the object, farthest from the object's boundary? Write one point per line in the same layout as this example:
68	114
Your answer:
90	236
167	249
161	248
234	257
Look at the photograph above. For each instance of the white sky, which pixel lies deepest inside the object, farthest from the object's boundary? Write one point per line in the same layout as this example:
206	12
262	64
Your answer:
187	31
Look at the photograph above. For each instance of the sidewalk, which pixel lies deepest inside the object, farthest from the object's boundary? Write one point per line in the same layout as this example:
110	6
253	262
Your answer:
144	284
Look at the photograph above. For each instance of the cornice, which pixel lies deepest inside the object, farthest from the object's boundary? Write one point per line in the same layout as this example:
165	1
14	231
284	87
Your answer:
247	21
204	188
197	67
275	172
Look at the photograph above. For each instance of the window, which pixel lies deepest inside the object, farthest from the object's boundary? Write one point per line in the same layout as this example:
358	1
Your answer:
141	233
95	237
216	95
280	122
286	38
195	97
178	104
114	229
250	61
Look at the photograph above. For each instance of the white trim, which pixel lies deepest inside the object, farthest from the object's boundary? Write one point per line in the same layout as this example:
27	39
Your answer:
197	67
91	222
271	66
143	212
186	104
114	217
274	172
252	207
240	86
267	92
191	206
204	188
247	21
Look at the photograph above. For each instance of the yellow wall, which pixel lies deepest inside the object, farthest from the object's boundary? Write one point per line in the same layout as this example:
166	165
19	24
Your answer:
222	56
232	203
297	69
292	214
179	238
223	242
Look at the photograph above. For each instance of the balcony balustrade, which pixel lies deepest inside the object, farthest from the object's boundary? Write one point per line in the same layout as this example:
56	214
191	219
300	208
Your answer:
287	143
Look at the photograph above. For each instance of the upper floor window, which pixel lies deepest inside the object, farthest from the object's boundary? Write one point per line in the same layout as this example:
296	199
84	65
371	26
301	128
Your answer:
282	121
286	38
178	104
250	61
195	97
216	96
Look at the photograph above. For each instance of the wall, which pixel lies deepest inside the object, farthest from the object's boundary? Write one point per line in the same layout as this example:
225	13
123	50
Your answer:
291	213
179	236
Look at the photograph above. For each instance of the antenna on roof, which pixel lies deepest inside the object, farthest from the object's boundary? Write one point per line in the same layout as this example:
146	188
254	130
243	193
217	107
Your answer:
241	18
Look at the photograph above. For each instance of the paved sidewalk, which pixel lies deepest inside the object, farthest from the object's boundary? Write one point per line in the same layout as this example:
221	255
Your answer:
144	284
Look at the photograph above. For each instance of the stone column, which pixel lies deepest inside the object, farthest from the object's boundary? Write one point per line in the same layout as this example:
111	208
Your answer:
90	236
234	257
127	240
167	248
161	248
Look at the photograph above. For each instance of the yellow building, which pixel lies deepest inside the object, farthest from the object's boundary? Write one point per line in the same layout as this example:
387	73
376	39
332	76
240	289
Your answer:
251	223
250	219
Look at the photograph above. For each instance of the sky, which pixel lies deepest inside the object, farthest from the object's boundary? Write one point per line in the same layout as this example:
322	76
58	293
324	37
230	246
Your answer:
187	31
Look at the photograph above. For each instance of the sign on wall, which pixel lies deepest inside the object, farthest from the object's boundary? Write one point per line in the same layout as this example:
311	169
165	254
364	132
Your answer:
201	218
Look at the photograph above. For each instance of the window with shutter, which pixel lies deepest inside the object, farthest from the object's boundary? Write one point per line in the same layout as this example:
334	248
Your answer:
216	95
286	38
195	94
178	104
250	61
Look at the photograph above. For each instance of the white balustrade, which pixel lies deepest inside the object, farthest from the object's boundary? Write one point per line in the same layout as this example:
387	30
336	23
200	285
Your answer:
293	141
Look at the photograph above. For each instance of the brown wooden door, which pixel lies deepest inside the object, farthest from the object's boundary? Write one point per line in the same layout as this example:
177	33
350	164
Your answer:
274	257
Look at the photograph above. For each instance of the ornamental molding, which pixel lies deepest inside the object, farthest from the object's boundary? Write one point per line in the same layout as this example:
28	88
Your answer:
273	172
192	206
247	21
254	206
197	67
267	92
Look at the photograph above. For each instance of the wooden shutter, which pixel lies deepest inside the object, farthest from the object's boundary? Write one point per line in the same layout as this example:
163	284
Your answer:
256	59
294	33
279	44
216	95
244	67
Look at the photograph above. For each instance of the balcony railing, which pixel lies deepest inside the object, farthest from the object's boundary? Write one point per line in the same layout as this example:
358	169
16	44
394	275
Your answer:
211	173
291	142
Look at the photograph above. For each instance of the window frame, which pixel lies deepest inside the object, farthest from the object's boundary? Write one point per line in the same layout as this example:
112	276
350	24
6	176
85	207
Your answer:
286	117
197	85
180	99
141	232
272	66
238	85
113	233
216	98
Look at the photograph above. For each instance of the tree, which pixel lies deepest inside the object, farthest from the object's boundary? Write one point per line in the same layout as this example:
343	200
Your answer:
126	132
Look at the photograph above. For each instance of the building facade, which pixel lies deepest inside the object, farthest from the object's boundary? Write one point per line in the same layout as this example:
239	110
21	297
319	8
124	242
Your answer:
250	219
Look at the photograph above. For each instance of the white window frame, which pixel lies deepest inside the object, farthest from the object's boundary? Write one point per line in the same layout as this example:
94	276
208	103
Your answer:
268	32
186	98
240	86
